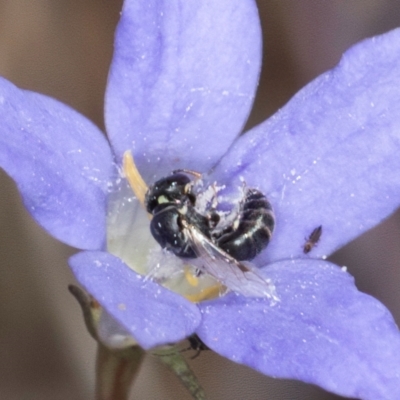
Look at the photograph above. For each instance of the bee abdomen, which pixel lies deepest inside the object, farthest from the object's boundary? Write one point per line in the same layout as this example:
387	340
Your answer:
254	228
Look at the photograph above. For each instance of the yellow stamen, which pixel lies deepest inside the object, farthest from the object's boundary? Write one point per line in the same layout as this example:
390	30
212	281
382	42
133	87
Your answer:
192	279
135	180
208	293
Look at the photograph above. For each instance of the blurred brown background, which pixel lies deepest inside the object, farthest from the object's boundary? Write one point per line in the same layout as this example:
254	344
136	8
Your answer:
63	48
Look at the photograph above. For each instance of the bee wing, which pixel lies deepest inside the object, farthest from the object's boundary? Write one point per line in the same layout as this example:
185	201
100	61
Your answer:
225	269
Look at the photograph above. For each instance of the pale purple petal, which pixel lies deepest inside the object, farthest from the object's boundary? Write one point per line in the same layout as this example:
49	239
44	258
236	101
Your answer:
182	81
331	156
152	314
61	163
322	331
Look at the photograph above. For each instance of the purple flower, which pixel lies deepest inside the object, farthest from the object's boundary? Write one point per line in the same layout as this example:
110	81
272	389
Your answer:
181	86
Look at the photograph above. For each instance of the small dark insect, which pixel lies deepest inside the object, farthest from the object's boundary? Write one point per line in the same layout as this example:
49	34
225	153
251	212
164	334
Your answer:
180	227
196	344
312	240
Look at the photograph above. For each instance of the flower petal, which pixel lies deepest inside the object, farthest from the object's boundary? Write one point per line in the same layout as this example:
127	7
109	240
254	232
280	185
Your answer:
330	157
322	331
182	81
152	314
60	162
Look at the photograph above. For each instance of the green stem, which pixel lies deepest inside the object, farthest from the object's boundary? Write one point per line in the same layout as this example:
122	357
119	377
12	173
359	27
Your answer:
174	360
115	371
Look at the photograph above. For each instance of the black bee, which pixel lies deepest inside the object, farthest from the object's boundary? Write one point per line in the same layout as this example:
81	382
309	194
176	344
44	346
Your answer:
312	240
178	226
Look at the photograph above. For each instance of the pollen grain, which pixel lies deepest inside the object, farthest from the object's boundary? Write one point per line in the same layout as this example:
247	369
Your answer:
208	293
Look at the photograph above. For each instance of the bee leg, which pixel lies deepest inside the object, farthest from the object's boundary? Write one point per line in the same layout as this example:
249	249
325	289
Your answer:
213	219
214	199
196	355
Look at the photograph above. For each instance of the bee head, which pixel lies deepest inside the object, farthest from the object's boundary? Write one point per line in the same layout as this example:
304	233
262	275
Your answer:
171	189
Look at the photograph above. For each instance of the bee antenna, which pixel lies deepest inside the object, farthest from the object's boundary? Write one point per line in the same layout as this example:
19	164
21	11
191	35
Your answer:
188	171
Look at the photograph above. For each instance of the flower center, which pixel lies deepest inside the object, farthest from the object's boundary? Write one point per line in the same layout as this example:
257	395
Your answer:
130	239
